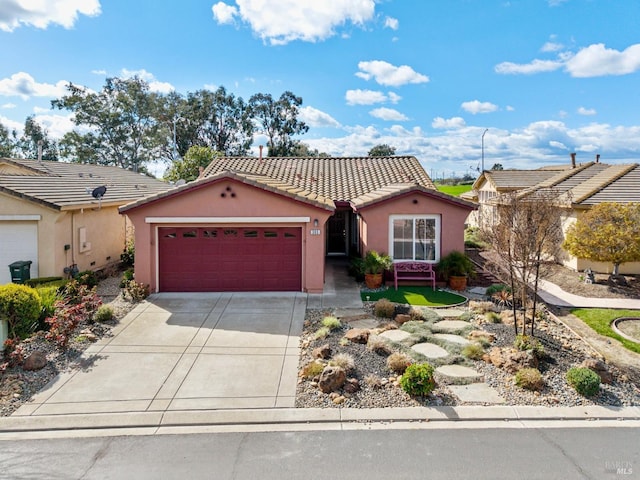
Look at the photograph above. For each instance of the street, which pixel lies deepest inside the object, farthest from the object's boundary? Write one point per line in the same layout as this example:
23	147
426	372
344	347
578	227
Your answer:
470	453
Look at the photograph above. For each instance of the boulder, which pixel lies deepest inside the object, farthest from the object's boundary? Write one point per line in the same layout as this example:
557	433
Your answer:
357	335
511	359
36	361
481	334
402	318
352	385
323	351
600	368
496	357
332	378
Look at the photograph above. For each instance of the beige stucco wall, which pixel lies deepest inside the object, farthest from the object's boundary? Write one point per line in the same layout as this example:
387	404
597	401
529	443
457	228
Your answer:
105	229
452	221
249	201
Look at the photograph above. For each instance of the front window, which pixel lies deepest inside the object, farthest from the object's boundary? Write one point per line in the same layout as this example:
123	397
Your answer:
415	238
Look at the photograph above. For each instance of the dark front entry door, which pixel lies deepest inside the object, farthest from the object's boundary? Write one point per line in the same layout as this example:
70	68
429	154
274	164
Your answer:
337	234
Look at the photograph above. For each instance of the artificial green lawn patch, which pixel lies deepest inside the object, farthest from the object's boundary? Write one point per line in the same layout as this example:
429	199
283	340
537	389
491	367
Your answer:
599	319
455	190
422	296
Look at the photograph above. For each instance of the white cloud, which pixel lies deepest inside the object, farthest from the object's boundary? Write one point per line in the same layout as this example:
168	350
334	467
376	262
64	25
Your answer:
388	114
552	47
476	106
23	85
448	123
317	118
56	125
597	61
394	97
11	124
15	13
99	72
586	111
282	21
510	108
41	110
387	74
391	23
8	106
224	13
558	145
364	97
536	66
154	85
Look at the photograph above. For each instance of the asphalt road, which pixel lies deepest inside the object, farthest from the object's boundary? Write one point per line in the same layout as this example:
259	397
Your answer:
476	453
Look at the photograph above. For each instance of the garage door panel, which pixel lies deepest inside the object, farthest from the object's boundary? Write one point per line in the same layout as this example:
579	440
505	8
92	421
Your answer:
18	241
230	259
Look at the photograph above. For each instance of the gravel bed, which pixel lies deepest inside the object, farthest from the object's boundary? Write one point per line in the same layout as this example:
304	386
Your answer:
563	350
17	385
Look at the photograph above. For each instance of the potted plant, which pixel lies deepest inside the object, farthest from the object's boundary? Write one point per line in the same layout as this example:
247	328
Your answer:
374	266
455	268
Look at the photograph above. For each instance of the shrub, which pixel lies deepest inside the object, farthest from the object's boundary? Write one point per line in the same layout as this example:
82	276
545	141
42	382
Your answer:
13	352
384	308
312	369
34	282
20	306
49	296
481	307
127	257
496	287
127	275
525	343
529	379
493	317
79	303
88	278
135	292
103	314
374	381
418	380
585	381
332	323
378	345
398	362
343	360
322	332
474	351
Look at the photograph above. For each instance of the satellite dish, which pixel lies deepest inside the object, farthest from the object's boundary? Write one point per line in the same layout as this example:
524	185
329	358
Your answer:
180	182
99	192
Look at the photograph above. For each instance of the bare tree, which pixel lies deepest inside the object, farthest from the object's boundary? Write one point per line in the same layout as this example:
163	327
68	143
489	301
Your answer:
524	231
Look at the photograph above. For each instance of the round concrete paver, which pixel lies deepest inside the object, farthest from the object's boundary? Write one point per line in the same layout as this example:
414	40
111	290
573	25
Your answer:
460	374
430	350
448	326
395	335
448	337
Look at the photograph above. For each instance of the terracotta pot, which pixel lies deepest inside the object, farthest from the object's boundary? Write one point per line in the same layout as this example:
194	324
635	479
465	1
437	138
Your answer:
458	283
373	280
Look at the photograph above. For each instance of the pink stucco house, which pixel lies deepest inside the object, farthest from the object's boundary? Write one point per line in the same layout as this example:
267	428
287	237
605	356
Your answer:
267	224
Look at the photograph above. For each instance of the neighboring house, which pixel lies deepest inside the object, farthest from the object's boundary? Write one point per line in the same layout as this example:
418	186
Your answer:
261	224
48	215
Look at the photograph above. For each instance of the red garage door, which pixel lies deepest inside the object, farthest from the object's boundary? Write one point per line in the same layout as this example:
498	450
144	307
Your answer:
229	259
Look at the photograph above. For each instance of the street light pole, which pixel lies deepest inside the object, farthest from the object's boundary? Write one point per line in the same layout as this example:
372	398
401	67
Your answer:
483	133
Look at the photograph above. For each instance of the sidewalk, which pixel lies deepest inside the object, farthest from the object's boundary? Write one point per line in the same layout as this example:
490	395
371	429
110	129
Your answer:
554	295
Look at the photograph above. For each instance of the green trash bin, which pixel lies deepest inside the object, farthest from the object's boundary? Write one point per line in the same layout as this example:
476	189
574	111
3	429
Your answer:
20	271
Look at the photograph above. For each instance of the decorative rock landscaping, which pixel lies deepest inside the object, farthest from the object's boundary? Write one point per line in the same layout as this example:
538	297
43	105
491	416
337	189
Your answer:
430	350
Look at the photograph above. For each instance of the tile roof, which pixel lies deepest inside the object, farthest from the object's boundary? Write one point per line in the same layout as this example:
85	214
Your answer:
337	178
508	180
625	189
65	186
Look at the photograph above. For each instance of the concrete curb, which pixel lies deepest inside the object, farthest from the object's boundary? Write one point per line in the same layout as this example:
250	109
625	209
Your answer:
292	416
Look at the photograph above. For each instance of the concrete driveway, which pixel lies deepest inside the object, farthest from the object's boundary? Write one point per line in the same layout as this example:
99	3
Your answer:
187	352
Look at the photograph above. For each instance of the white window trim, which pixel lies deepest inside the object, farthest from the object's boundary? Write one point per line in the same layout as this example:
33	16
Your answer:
438	236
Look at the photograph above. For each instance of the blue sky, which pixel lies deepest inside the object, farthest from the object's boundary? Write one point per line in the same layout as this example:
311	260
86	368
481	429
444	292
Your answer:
545	77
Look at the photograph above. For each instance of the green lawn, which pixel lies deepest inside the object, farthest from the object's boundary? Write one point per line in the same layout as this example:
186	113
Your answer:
455	190
423	296
600	320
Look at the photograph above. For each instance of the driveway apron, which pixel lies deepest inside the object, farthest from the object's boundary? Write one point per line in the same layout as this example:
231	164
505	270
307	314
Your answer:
187	351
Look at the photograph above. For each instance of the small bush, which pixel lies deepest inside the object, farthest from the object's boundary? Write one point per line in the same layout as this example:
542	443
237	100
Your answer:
493	317
585	381
332	323
374	381
417	379
378	345
103	314
35	282
79	303
384	308
525	343
49	296
496	287
127	276
398	362
13	352
322	332
343	360
344	342
312	369
20	306
529	379
481	307
88	278
135	292
127	257
474	351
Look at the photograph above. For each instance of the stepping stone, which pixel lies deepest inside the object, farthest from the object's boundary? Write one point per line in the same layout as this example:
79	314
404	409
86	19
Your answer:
476	393
395	335
459	374
430	350
451	312
478	290
448	337
366	323
449	326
